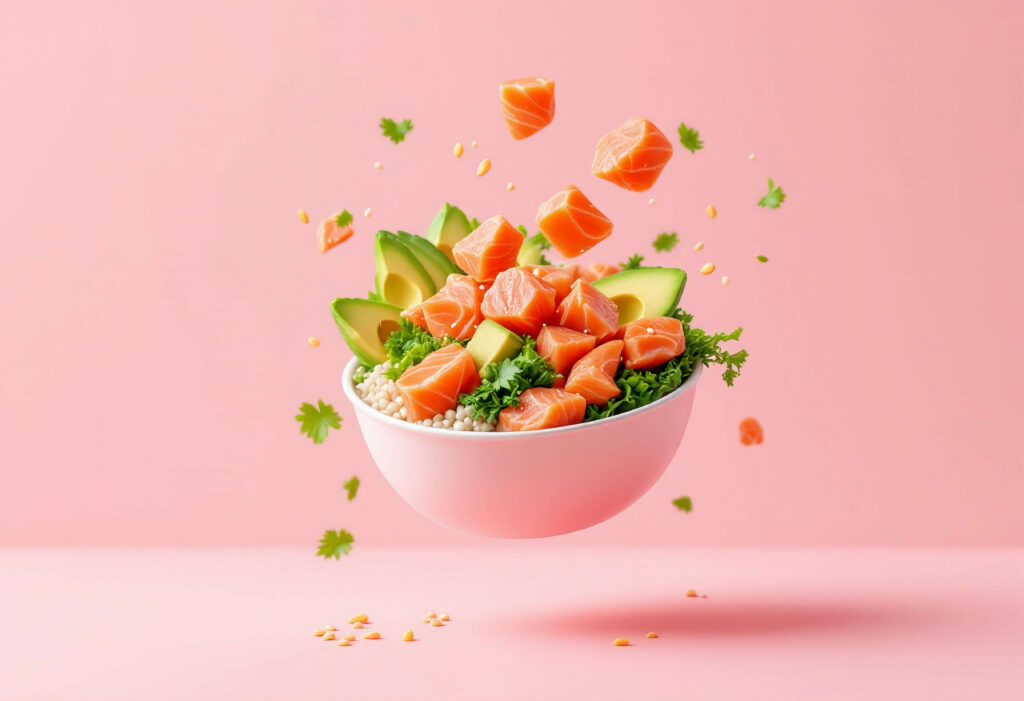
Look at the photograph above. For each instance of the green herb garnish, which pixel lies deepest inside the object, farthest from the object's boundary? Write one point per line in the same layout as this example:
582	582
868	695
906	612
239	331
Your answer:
502	383
395	131
763	259
316	420
343	219
335	544
635	261
665	242
690	138
683	504
774	198
352	487
409	345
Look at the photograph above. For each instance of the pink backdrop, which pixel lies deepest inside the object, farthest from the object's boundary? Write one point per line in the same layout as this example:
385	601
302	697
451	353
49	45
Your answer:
157	289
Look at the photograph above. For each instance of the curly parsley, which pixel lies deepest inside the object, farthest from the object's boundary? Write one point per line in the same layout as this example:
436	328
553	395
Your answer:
502	383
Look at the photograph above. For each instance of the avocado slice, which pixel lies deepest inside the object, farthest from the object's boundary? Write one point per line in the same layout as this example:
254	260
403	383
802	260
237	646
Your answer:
492	343
532	250
401	279
448	228
436	264
365	325
643	292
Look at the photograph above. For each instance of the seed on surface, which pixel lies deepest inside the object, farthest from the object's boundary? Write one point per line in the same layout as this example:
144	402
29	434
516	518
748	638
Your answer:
426	620
436	622
725	281
485	165
692	593
432	614
711	212
408	636
348	636
652	201
652	634
359	618
751	157
357	624
329	636
378	165
320	632
699	246
314	341
330	628
372	636
367	212
344	643
510	187
620	642
707	269
445	617
650	329
303	217
458	149
474	144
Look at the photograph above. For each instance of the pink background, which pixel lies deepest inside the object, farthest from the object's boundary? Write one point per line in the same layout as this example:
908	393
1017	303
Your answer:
157	290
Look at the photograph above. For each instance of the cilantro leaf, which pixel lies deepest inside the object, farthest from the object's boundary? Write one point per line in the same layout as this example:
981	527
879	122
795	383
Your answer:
316	420
335	544
683	504
774	198
635	261
351	486
395	131
474	224
373	296
502	383
343	219
763	259
690	138
408	346
665	242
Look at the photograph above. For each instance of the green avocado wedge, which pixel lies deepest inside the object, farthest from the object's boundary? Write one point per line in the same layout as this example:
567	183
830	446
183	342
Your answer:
643	292
401	279
365	325
492	343
448	228
436	264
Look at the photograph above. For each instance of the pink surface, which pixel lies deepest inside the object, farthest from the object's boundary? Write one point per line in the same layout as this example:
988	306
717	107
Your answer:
527	623
157	289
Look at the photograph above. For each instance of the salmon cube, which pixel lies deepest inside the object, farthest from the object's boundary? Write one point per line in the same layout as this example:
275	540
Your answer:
632	155
434	385
596	271
543	407
588	311
528	105
489	249
415	315
454	310
562	347
519	301
572	223
559	277
334	230
593	376
651	342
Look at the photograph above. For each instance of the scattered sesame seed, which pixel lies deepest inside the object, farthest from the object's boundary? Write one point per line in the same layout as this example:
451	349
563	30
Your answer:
482	287
359	618
511	186
329	636
348	636
357	624
474	144
378	165
711	211
751	157
650	330
330	628
725	281
319	632
707	269
303	217
432	614
314	341
620	642
445	617
652	201
372	636
692	593
699	246
344	643
652	634
367	212
458	149
485	165
408	636
436	622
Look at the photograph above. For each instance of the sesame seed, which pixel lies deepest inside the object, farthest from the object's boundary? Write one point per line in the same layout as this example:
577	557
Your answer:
725	281
711	211
751	157
652	634
652	201
378	165
620	642
485	165
699	246
650	330
303	217
367	212
314	341
707	269
474	144
458	149
510	187
692	593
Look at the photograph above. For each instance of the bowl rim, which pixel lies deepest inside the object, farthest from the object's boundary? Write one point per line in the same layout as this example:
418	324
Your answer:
348	387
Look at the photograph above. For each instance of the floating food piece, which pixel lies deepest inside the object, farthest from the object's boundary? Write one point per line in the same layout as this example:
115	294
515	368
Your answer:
436	622
378	165
559	277
433	386
432	615
593	376
445	617
542	407
711	211
528	105
620	642
596	271
652	634
455	309
652	201
367	213
692	593
357	624
314	341
408	636
348	637
751	157
320	632
519	301
303	217
562	347
751	432
329	636
335	229
707	268
344	643
484	167
474	144
632	155
458	149
330	628
359	618
491	248
725	281
586	310
699	246
372	636
572	223
510	187
651	342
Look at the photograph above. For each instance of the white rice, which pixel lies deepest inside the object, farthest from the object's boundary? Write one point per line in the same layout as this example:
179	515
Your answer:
380	393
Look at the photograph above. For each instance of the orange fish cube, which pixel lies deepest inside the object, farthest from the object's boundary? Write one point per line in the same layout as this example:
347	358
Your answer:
572	223
455	309
519	301
528	105
434	385
632	155
542	407
333	230
562	347
593	376
651	342
489	249
586	310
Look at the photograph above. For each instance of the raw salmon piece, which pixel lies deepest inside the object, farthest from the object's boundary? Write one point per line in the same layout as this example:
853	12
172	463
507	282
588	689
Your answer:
329	234
415	315
587	310
434	385
561	278
596	271
751	432
632	156
491	248
519	301
528	105
541	407
651	342
572	223
455	309
593	376
562	347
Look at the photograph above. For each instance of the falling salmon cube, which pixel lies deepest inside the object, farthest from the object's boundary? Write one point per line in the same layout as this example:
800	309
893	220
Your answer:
528	105
572	223
434	385
751	432
632	156
651	342
333	230
455	309
542	407
588	311
562	347
519	301
593	376
489	249
596	271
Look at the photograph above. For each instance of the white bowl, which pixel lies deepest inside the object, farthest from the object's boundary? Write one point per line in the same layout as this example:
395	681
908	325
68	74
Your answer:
528	484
